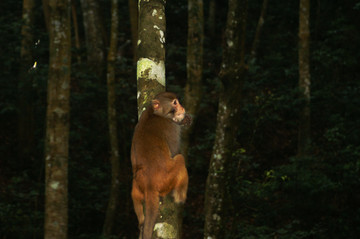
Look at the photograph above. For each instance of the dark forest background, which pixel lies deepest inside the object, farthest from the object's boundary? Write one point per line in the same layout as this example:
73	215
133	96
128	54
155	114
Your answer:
271	193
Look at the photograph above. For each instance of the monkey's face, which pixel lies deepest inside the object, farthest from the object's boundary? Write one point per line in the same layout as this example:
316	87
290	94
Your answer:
166	105
177	112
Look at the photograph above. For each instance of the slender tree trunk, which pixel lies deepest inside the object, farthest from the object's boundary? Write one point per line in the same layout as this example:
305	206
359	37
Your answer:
232	76
259	29
150	51
194	66
304	138
46	10
26	91
133	12
112	121
94	36
57	121
76	30
150	81
212	18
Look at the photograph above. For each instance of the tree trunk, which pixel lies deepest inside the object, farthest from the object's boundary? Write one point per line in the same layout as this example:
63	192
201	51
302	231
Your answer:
26	92
304	138
151	51
113	129
212	18
151	81
194	66
94	36
232	76
46	10
133	12
57	121
259	29
76	31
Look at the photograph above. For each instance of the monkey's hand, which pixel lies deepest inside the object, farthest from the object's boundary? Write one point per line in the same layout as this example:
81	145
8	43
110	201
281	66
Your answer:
186	121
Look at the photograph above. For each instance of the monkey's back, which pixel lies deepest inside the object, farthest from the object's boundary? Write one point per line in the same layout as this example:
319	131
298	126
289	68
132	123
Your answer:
156	139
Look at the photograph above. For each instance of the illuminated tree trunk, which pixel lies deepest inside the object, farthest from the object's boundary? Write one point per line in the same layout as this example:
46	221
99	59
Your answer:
94	36
304	138
194	66
113	129
150	51
57	121
151	81
232	75
26	93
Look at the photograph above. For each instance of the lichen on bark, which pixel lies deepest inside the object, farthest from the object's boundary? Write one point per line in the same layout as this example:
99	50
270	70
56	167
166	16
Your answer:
150	80
150	52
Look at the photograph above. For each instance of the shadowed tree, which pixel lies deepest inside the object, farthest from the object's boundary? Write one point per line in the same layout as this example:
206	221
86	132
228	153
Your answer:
232	75
57	121
212	18
26	92
46	10
76	30
194	66
94	36
304	138
133	13
258	30
112	122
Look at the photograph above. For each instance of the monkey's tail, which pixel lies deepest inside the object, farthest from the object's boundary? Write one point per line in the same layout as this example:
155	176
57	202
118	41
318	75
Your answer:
151	213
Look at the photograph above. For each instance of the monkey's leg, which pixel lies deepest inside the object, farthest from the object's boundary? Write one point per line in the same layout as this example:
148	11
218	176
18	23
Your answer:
138	198
180	174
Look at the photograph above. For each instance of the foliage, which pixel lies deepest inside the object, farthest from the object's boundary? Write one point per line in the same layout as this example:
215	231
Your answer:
21	208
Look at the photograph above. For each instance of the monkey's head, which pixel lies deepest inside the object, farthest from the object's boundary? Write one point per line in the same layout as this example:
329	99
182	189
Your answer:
167	105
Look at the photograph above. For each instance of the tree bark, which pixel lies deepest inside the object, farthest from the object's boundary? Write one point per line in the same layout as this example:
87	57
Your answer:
194	66
76	30
212	18
46	10
232	76
259	29
57	121
304	138
94	36
26	91
133	12
112	122
151	81
150	51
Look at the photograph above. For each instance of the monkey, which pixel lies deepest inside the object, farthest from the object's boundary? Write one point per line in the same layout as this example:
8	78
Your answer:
157	165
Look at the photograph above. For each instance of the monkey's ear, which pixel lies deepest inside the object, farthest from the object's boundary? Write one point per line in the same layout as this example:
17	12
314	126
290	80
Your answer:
155	104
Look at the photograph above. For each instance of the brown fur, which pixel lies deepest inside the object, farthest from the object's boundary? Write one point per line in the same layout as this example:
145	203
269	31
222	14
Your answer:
158	168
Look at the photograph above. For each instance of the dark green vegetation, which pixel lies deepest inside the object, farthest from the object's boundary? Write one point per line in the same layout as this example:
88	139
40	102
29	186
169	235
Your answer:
271	192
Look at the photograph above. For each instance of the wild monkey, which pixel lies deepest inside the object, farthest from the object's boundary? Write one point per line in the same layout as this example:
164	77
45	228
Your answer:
158	168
